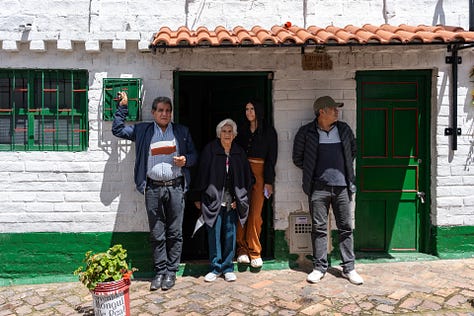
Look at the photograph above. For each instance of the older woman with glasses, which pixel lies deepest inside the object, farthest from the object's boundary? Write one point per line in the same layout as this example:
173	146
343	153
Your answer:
223	182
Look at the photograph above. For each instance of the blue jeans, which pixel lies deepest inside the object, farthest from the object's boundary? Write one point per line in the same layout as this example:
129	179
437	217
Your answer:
319	202
222	238
165	208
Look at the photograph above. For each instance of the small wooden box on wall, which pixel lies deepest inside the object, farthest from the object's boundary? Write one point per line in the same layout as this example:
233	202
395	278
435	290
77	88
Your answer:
317	60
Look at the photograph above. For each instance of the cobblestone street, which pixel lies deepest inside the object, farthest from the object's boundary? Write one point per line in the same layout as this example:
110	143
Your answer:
440	287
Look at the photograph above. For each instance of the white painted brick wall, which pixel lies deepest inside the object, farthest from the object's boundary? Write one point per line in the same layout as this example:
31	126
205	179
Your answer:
76	19
94	190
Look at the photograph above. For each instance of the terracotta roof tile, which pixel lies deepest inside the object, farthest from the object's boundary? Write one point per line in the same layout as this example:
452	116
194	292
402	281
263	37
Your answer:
386	35
288	35
224	37
405	36
343	35
303	34
365	36
263	36
322	36
242	36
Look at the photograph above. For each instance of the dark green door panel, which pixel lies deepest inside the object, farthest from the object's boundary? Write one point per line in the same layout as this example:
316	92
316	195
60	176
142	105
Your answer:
374	123
370	232
388	178
404	234
393	160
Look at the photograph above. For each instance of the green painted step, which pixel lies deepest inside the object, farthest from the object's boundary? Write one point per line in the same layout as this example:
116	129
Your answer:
32	258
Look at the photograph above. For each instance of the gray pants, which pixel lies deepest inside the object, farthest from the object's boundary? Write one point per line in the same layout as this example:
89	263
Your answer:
319	202
165	208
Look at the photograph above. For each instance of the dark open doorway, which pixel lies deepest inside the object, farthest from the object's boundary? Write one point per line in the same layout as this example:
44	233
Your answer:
202	100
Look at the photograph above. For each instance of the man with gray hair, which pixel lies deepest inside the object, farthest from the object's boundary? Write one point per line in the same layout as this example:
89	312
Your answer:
164	153
325	150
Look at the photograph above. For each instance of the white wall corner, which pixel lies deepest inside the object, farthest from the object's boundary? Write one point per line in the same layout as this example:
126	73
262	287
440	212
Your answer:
64	45
10	46
132	36
92	46
143	46
119	45
149	36
45	36
75	36
38	46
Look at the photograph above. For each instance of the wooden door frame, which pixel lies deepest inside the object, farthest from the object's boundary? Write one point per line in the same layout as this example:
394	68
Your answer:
178	74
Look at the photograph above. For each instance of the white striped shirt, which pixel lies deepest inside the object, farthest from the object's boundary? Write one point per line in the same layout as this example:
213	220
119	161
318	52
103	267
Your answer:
163	147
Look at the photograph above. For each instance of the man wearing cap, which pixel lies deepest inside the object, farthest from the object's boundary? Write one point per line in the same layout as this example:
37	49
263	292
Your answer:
325	150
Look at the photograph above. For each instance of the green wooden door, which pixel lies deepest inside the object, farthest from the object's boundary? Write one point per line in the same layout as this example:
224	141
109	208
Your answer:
392	161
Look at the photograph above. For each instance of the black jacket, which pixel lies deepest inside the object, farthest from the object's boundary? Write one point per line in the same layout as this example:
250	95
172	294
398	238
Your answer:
305	153
210	181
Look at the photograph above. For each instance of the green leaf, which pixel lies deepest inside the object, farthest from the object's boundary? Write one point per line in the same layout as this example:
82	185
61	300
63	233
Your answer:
103	266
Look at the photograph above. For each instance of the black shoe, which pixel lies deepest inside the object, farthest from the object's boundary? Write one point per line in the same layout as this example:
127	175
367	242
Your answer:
168	282
156	282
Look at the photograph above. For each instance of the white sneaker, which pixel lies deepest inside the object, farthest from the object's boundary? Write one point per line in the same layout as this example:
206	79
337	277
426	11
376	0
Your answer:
230	276
243	259
256	263
315	276
353	277
211	277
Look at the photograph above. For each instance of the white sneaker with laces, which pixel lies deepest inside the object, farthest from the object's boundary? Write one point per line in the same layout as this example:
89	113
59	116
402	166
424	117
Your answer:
243	259
211	277
315	276
230	276
353	277
256	263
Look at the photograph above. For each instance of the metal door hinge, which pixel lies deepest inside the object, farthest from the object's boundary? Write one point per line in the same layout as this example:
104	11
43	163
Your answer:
449	59
450	131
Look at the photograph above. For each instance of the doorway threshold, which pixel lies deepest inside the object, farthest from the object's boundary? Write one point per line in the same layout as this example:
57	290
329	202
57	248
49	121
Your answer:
303	262
380	257
201	267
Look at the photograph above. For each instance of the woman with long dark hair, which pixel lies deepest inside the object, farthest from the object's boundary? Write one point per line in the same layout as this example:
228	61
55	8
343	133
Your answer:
259	140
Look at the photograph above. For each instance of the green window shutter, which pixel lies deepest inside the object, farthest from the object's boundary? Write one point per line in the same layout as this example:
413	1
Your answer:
43	109
111	86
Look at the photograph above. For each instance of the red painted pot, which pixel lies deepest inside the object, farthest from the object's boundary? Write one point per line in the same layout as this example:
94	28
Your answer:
112	298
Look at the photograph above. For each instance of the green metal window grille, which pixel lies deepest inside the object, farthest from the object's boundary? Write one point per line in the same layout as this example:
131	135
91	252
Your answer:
132	86
43	110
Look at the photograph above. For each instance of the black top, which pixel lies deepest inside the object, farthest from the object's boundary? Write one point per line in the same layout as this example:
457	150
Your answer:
263	143
330	165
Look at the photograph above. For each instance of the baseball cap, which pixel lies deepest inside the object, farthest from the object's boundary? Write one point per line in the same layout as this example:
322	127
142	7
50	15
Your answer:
325	101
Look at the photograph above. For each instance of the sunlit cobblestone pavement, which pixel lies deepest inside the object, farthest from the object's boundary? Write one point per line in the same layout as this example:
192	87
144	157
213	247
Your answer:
440	287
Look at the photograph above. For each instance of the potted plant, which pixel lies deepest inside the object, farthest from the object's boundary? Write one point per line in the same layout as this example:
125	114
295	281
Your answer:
107	276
